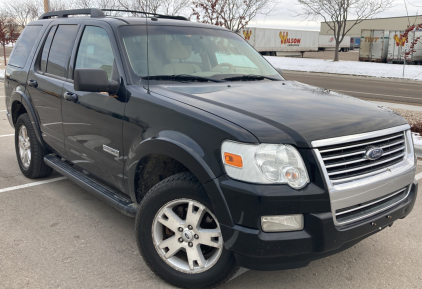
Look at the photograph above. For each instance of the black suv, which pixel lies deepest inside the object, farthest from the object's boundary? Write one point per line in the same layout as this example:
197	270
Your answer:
223	162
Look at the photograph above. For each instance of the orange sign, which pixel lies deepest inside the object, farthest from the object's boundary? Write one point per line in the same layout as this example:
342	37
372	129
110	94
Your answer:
371	39
247	34
400	41
284	36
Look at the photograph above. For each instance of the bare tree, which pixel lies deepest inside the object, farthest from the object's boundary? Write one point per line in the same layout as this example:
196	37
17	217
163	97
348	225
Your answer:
337	12
8	31
102	4
57	5
24	11
232	14
175	7
141	5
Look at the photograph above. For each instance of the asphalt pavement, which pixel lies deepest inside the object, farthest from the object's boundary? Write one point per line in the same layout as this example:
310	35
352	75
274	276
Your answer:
54	234
382	89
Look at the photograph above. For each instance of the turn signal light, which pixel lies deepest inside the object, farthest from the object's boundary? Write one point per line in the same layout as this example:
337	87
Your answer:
233	160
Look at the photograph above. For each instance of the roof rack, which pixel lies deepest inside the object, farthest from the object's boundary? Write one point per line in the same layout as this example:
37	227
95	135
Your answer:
98	13
148	14
94	12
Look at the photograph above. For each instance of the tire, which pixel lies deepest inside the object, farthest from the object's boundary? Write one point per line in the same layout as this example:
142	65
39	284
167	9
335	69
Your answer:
33	166
180	188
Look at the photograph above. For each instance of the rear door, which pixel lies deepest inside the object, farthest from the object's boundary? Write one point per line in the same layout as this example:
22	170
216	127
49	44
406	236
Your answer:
365	46
46	78
377	44
93	124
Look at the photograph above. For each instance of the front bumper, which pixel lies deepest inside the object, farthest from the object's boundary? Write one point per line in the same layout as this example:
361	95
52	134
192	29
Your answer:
257	250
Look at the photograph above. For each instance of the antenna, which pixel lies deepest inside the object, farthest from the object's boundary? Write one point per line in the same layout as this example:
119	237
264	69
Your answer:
146	19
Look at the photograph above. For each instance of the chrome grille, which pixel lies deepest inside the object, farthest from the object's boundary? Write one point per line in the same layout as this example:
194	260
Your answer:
347	161
365	210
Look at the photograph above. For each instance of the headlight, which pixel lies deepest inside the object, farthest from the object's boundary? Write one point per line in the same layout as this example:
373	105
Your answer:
264	164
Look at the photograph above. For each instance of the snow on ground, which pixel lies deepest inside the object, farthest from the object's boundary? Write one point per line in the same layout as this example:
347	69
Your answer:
417	139
347	67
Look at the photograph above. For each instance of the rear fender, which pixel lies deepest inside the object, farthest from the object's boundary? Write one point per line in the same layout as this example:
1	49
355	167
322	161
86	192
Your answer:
19	96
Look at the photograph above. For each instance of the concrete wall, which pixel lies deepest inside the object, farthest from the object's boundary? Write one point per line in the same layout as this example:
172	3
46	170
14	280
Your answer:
395	23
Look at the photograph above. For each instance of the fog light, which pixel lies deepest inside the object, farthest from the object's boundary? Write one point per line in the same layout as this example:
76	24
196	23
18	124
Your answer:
282	223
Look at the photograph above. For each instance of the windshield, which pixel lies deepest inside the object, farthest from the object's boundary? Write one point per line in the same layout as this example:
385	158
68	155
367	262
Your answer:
188	51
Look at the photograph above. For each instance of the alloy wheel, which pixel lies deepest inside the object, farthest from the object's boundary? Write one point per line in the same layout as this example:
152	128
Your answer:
24	147
187	236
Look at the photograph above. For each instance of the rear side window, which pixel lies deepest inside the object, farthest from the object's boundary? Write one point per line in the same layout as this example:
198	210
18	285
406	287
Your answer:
46	49
24	46
61	46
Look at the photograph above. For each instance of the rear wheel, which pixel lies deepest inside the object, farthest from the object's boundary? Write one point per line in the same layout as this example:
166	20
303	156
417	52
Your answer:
180	237
29	152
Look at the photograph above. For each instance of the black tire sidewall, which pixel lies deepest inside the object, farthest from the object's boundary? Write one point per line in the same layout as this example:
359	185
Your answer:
23	120
151	204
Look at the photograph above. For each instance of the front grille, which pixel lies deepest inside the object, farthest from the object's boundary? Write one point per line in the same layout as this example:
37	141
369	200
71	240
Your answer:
365	210
347	161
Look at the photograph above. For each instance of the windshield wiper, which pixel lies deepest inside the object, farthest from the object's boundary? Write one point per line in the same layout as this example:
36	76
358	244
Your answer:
247	77
181	77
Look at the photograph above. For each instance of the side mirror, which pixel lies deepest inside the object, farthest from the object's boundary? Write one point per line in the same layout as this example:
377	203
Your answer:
93	80
280	71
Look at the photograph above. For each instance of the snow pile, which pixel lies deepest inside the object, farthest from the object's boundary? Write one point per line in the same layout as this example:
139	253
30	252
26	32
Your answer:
347	67
417	139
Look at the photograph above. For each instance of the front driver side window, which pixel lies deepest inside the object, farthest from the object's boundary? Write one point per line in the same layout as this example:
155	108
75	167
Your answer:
95	50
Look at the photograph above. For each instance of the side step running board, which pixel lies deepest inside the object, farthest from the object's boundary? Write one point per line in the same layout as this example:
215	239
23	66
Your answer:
119	202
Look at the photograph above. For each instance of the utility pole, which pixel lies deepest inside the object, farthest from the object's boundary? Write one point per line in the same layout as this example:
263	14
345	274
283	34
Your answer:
46	6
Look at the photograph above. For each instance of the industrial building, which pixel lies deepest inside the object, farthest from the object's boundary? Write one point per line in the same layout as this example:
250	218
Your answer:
392	23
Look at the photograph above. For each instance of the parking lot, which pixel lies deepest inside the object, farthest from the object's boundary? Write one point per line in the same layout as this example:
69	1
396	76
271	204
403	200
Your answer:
352	55
53	234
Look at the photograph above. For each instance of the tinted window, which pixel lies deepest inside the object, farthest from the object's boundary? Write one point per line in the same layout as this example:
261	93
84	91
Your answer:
60	50
200	52
46	48
24	46
95	50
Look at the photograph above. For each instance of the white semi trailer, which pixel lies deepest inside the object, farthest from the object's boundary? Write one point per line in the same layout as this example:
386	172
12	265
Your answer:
327	42
398	46
281	42
374	45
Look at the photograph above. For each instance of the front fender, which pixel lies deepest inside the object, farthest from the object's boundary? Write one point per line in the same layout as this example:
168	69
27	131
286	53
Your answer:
19	96
189	157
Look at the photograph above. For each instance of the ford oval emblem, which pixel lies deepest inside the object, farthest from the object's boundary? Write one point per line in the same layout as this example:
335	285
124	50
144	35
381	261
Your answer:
373	153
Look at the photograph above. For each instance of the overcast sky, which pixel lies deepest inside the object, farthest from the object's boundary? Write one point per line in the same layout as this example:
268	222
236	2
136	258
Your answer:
285	15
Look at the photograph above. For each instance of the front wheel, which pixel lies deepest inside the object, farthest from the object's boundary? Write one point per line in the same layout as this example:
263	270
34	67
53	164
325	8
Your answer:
179	236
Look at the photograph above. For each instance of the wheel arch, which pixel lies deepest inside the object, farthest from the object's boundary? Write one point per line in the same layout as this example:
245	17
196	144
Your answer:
20	103
184	157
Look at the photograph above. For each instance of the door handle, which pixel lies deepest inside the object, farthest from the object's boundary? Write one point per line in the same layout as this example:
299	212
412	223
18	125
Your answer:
32	83
69	96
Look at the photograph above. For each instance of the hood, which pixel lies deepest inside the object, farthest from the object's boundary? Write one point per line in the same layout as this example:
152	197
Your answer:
285	111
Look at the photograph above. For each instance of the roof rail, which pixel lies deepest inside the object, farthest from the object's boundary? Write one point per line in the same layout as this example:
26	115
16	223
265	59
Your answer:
148	14
94	12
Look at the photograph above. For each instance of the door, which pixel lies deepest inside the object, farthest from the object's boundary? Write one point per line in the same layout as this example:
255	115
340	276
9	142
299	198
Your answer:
365	46
45	82
377	44
93	121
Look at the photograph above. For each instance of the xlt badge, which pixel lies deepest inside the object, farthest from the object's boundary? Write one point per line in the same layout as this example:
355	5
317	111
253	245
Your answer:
111	150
